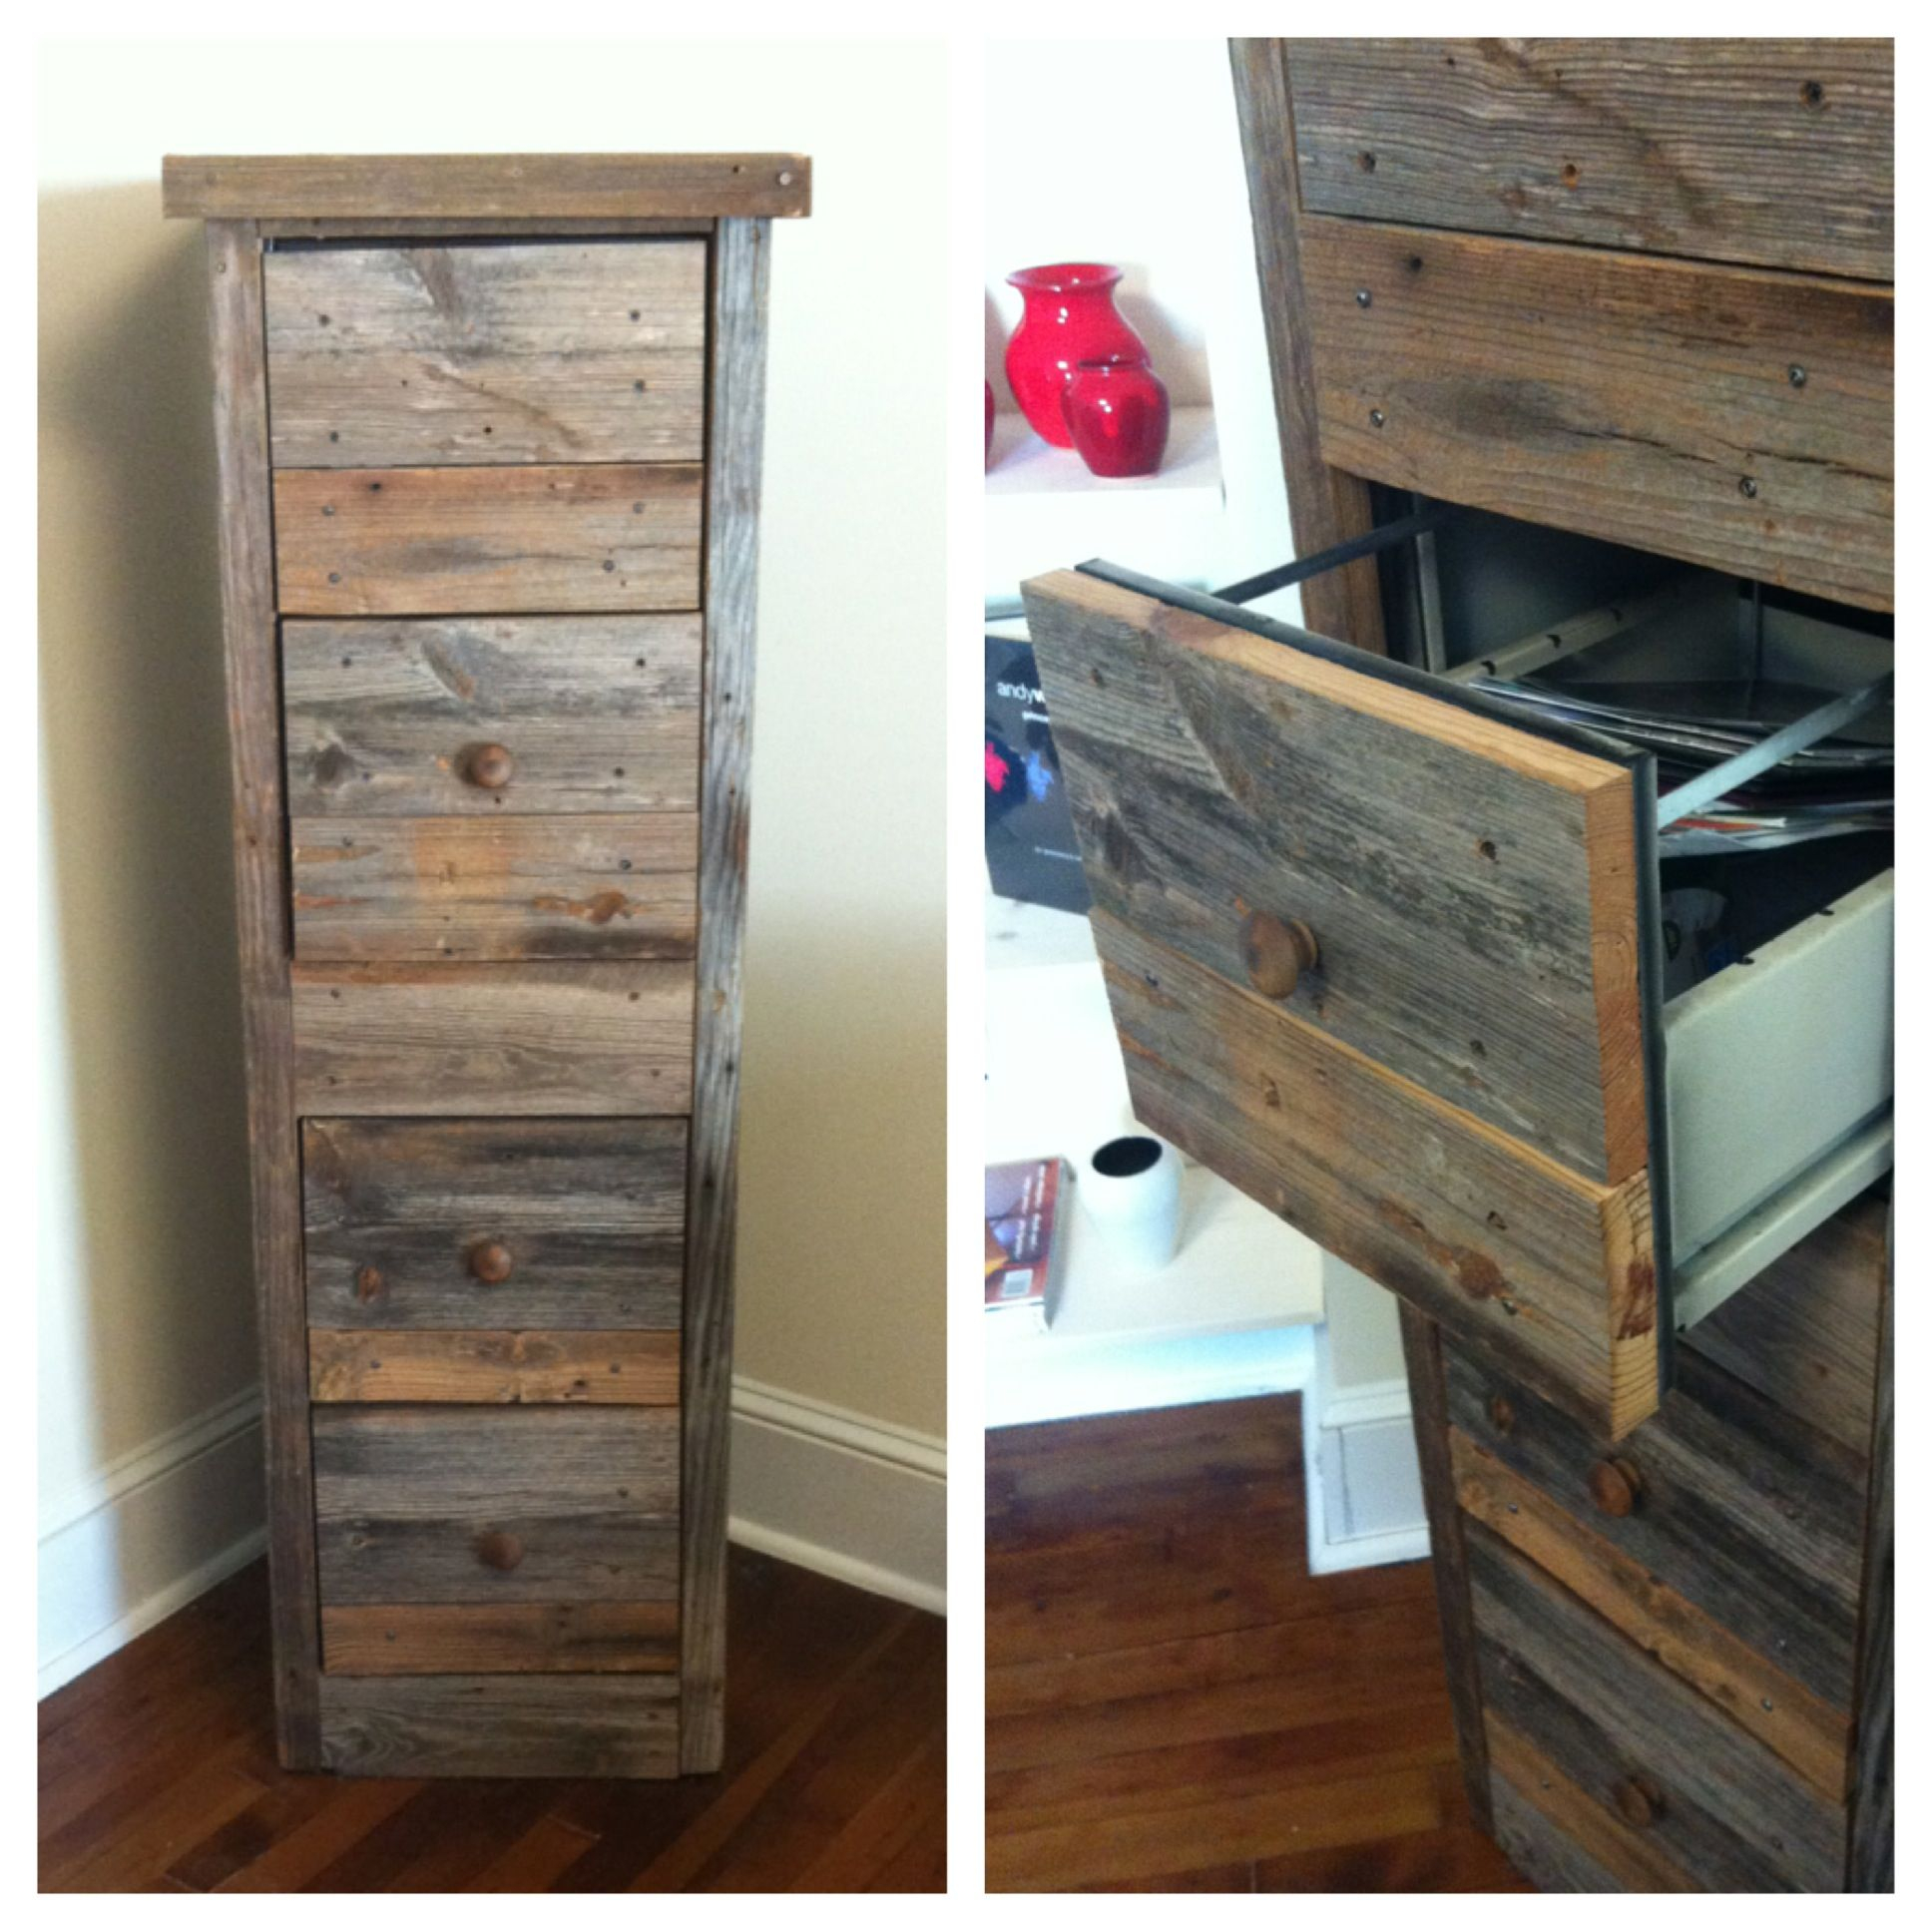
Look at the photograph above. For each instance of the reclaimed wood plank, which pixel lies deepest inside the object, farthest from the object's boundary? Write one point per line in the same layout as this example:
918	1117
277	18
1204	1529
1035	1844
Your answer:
595	1726
518	538
1743	1513
740	276
1806	1731
591	886
474	227
545	352
1726	1808
1641	399
1326	506
590	1216
254	743
1562	1838
598	715
1870	1865
585	1365
543	186
419	1639
1770	152
1471	886
1549	1271
462	1037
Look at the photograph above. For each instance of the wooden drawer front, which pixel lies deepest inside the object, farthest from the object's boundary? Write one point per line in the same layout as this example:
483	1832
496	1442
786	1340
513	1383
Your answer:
598	715
478	1727
526	352
1627	1740
590	1214
597	886
1741	1513
1772	152
496	1506
1474	1012
475	1039
427	1639
1647	402
492	1365
539	537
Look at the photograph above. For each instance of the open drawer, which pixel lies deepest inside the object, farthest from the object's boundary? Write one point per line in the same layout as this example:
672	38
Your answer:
1387	953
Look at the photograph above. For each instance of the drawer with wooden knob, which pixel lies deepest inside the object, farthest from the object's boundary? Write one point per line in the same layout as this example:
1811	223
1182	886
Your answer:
1388	954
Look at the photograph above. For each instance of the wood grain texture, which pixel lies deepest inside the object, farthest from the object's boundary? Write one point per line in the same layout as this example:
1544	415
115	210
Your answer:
1804	1332
1448	1563
1807	1731
1543	1850
580	1365
522	537
591	1213
1776	153
591	887
598	714
1745	1514
1548	1271
254	743
423	1639
496	1504
740	276
1869	1863
545	352
1471	886
543	1038
470	1727
475	228
1325	506
1630	397
336	187
1732	1812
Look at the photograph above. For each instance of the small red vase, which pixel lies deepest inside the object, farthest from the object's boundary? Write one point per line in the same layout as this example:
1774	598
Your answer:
1116	414
1069	316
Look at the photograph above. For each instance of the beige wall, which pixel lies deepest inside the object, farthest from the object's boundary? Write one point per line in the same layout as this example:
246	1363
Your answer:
144	1317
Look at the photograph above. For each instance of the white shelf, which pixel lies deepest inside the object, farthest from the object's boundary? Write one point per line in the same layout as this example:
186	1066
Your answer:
1025	465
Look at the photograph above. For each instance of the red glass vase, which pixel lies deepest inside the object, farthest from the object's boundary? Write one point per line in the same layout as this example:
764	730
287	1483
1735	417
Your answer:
1069	318
1116	414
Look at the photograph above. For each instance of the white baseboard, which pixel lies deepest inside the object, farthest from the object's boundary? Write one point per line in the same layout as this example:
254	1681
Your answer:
839	1493
146	1535
1364	1483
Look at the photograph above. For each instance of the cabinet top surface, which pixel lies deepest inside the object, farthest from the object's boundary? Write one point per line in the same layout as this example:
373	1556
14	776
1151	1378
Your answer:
484	187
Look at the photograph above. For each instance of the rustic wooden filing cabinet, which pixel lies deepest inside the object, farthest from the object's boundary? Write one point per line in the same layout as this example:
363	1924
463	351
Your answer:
489	432
1601	333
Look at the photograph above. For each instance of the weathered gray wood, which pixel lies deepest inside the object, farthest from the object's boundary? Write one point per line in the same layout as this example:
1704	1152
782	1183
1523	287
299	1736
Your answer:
596	886
254	741
1712	147
1325	506
597	1726
1540	1849
543	1038
546	352
597	713
336	187
571	1366
1429	1413
525	536
496	1504
425	1640
741	275
472	228
1744	1513
1631	397
590	1212
1870	1865
1471	887
1546	1270
1601	1710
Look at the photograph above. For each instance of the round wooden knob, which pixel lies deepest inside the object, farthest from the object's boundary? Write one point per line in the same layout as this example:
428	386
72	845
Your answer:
369	1284
1615	1486
491	767
1638	1801
1276	952
1502	1414
499	1549
490	1263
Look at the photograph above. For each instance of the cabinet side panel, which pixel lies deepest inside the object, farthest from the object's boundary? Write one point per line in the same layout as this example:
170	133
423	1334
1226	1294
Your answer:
741	268
1870	1864
249	630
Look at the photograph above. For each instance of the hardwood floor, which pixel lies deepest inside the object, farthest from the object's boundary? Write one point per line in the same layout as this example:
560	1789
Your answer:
1174	1705
158	1772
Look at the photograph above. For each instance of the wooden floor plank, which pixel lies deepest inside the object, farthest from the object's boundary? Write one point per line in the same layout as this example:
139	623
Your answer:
1175	1703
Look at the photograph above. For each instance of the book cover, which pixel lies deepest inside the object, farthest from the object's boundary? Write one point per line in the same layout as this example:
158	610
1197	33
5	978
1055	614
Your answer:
1023	1208
1030	848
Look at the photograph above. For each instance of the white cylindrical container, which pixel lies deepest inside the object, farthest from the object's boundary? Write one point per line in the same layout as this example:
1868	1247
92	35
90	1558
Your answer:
1132	1189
